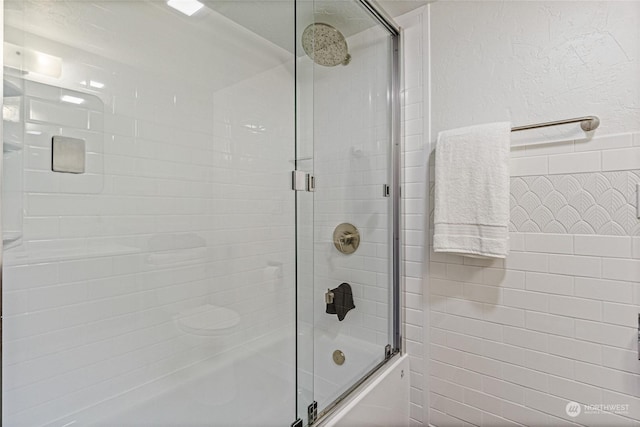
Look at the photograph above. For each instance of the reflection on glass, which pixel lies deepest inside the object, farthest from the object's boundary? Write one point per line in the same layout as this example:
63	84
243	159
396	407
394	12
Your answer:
157	287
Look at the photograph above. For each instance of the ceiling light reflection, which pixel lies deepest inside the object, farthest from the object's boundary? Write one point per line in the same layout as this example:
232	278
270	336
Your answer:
188	7
72	99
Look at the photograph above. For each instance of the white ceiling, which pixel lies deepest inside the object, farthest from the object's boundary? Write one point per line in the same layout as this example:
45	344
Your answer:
146	35
273	19
244	38
396	8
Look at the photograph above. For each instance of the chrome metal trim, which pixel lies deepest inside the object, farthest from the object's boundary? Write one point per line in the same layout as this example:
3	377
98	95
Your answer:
296	234
396	157
338	357
312	412
1	245
299	180
346	238
587	123
311	183
68	155
381	16
329	296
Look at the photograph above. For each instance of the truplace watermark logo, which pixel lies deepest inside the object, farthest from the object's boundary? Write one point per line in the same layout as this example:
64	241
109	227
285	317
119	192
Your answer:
573	409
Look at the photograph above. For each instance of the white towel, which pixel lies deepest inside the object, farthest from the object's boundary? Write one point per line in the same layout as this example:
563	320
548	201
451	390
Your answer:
472	191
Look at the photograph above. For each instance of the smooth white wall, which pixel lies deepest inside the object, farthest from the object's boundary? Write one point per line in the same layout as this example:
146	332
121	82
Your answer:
530	62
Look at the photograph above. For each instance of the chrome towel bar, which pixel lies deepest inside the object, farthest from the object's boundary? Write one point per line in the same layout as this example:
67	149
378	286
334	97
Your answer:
587	123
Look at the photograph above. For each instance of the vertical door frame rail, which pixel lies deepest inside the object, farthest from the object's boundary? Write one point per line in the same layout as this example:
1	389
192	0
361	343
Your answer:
1	201
396	153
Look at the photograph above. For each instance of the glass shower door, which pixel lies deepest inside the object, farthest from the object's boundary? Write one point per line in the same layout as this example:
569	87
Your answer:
148	218
345	73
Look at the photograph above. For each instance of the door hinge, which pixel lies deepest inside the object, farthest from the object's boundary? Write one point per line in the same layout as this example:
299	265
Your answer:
311	182
312	412
298	181
302	181
386	190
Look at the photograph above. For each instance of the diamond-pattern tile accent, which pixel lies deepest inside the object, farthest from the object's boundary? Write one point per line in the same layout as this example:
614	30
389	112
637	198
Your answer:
589	203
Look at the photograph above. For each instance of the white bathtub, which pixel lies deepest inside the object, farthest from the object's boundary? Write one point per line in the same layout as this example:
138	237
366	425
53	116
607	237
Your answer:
252	385
321	379
245	387
382	401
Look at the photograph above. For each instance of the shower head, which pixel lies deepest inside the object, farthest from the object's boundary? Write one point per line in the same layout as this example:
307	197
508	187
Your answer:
325	45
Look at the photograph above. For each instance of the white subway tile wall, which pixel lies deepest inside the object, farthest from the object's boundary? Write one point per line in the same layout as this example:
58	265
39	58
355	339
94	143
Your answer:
513	342
191	208
414	207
